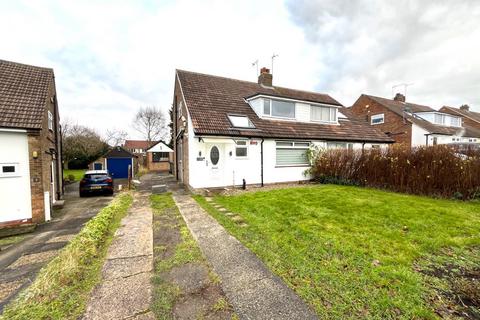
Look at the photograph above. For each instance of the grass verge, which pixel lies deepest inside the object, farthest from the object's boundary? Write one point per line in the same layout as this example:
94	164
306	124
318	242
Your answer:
353	252
61	289
175	247
10	240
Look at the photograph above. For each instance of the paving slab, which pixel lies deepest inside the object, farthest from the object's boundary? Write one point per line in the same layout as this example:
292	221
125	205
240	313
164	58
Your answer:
252	289
125	290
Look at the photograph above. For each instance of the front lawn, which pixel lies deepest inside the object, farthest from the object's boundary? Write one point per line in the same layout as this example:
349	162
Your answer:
363	253
77	174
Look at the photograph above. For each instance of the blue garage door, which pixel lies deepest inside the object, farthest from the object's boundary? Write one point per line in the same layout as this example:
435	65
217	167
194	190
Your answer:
118	167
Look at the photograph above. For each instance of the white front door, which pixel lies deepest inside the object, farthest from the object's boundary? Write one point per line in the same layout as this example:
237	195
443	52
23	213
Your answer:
215	164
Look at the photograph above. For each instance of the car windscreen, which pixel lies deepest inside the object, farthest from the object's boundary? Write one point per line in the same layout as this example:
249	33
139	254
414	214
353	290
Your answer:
96	176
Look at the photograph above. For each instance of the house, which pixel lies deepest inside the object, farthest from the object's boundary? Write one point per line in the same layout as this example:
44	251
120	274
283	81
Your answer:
413	124
139	148
469	118
31	178
227	132
159	157
120	163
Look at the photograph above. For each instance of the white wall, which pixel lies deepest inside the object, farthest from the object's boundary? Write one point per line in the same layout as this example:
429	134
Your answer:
418	136
15	194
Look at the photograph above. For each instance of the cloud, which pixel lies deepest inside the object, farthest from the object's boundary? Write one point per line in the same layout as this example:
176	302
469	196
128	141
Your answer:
369	46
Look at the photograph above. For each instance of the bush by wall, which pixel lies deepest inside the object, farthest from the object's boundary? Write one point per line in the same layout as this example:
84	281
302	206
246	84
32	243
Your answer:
435	171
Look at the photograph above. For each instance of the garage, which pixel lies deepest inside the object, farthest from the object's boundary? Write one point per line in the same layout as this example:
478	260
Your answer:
117	162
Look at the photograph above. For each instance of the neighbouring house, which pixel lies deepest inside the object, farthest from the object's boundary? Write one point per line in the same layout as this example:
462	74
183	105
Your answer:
469	118
159	157
227	132
139	148
118	162
414	124
31	178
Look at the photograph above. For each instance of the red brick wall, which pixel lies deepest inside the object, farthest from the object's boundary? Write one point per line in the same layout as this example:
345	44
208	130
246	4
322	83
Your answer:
156	166
36	177
393	124
177	123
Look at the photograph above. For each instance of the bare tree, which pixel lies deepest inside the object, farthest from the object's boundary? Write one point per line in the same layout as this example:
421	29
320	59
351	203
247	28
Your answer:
115	137
151	123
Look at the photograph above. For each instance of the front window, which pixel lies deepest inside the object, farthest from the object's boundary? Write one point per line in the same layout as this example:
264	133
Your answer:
324	114
292	153
277	108
159	156
8	170
377	119
50	121
241	149
241	121
339	145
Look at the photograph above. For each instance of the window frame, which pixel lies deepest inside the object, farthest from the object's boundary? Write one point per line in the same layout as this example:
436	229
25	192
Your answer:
251	125
160	159
376	117
241	146
271	108
332	114
50	120
292	145
15	173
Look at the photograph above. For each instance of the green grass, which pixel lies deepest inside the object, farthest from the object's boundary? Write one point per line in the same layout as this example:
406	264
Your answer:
77	174
353	252
61	289
11	240
186	251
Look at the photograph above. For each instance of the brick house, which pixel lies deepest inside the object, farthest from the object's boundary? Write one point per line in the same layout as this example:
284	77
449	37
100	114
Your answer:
31	178
469	118
413	124
159	157
139	149
229	132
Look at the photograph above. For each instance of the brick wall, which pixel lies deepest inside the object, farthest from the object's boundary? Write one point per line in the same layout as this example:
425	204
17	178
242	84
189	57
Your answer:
157	166
393	125
182	139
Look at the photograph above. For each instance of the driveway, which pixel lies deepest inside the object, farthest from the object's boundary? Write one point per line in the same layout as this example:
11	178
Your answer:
20	263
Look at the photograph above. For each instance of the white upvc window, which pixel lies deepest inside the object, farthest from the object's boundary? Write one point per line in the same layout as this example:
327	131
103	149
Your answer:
455	122
340	145
238	121
323	114
279	108
439	118
50	121
292	153
9	170
241	149
377	119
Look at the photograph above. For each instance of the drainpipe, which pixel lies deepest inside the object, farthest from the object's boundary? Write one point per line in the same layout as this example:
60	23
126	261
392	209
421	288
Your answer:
58	149
426	139
261	160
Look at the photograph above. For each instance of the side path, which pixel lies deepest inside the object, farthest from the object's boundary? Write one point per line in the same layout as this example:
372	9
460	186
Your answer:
252	289
126	290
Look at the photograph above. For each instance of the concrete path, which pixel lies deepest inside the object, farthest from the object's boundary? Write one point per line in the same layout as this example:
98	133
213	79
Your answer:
126	290
20	263
252	289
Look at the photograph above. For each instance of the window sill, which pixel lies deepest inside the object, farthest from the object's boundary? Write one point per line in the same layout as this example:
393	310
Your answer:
293	166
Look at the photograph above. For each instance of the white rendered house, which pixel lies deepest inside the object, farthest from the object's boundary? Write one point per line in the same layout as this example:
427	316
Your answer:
228	131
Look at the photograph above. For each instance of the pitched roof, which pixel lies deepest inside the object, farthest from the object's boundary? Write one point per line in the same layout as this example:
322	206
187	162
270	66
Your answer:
118	152
23	94
475	116
210	99
398	108
138	144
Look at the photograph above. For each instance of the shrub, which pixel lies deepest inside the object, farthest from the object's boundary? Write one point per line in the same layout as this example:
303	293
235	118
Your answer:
434	171
71	178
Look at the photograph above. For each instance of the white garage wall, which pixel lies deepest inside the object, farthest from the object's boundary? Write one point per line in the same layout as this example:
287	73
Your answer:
15	194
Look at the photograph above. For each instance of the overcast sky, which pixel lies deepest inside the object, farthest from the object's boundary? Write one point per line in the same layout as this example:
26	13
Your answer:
112	58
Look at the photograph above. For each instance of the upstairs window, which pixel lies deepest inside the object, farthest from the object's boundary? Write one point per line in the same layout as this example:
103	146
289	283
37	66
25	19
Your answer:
241	121
277	108
439	118
50	121
324	114
455	122
377	119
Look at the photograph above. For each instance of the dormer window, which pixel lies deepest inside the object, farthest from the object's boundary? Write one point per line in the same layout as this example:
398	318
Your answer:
241	121
439	118
323	114
277	108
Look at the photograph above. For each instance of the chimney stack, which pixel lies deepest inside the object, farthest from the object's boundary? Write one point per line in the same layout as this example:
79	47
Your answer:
265	78
399	97
465	107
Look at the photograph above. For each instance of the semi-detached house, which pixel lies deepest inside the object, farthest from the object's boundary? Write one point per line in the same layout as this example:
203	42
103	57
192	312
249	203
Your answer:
31	179
228	131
